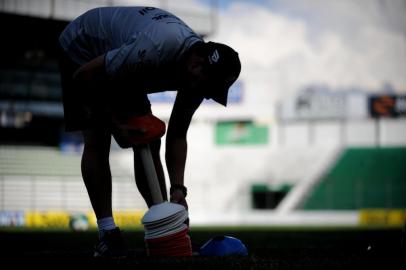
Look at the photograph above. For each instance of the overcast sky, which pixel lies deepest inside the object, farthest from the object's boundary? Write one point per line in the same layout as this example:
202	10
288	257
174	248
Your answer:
287	44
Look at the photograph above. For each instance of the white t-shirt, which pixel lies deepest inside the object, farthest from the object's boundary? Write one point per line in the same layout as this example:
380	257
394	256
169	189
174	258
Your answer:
132	38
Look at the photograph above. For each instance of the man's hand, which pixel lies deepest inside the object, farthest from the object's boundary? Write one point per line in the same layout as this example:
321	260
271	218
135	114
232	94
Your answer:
177	196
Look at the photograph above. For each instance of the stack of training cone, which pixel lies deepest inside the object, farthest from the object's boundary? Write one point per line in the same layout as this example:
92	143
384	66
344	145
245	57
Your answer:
166	233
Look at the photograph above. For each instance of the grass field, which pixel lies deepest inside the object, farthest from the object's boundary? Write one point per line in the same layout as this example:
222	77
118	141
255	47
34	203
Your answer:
269	248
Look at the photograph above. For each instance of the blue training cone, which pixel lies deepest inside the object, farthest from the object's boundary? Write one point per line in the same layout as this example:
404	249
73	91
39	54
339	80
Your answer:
223	246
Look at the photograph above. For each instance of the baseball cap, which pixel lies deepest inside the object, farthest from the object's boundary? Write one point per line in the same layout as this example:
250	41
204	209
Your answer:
223	67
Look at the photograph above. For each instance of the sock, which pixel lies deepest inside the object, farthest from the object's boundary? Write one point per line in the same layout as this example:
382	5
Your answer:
105	224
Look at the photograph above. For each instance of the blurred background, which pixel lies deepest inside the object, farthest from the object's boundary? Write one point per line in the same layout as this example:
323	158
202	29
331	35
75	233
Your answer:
314	133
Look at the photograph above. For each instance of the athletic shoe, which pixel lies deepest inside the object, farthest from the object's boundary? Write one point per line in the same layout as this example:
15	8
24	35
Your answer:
111	245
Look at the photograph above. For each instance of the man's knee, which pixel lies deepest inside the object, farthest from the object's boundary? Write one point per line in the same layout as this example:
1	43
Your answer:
97	140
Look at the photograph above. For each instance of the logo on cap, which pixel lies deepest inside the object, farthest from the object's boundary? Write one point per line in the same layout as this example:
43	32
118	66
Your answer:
214	58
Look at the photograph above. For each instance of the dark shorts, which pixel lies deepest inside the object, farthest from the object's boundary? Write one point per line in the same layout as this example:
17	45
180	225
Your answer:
94	106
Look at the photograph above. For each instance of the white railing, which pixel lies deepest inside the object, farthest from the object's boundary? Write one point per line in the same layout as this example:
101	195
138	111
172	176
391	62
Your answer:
45	193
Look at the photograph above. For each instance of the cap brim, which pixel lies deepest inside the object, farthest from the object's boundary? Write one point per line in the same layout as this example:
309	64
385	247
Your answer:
221	96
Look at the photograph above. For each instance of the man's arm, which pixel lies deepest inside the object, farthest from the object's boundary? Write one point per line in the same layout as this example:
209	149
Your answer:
176	143
92	71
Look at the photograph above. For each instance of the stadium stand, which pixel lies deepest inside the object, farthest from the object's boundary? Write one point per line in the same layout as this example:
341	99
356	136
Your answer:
48	161
362	178
37	161
45	178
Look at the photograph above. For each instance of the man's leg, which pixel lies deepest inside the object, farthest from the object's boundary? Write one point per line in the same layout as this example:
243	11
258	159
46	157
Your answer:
97	177
140	177
96	170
